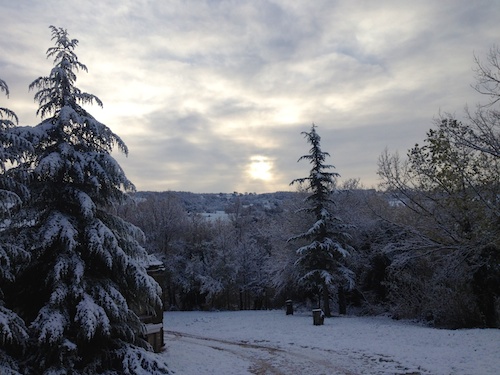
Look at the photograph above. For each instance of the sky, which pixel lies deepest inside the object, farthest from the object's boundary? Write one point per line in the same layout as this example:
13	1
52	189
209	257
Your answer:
212	96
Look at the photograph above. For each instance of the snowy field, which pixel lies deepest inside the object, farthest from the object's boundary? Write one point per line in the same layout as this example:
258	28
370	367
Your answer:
269	342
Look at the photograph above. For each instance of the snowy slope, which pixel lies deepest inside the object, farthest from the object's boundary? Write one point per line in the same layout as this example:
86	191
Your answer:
269	342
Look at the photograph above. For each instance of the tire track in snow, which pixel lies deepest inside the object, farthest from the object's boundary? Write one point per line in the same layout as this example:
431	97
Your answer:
263	359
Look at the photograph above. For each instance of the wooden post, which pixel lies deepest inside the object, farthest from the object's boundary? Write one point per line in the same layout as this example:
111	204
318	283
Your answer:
318	317
289	307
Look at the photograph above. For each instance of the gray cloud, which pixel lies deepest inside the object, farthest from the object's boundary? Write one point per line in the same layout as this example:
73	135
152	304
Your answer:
199	90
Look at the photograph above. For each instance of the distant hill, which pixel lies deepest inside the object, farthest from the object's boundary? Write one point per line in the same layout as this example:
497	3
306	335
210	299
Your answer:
226	202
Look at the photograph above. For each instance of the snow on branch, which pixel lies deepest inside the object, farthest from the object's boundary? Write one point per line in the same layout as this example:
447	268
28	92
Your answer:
92	318
12	329
136	360
59	227
110	299
50	325
101	241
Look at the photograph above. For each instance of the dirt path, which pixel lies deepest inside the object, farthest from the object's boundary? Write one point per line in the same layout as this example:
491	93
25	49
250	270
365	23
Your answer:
259	358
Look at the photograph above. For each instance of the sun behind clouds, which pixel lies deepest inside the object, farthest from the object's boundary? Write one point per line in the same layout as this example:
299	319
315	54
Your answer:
260	168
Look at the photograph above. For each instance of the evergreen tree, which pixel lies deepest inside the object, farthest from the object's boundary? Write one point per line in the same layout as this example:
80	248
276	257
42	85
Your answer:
86	279
322	259
12	148
13	333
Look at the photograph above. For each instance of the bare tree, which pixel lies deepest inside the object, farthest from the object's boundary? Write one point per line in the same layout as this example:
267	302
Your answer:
446	192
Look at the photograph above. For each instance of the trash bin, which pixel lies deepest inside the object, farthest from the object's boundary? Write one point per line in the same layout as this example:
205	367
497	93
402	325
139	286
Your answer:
289	307
318	317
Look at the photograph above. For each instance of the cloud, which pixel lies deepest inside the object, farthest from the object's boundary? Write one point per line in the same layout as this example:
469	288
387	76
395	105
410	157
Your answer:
198	88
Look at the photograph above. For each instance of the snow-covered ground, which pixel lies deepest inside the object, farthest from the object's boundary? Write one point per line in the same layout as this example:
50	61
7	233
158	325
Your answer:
269	342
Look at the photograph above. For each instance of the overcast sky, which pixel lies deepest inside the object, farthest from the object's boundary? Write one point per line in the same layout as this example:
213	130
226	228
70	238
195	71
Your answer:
212	96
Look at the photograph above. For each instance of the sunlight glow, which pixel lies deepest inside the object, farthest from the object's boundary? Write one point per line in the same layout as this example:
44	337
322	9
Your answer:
260	167
287	115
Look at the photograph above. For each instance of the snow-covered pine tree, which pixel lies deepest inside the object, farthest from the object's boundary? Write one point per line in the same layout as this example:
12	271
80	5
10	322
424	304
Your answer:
13	146
321	261
13	335
86	278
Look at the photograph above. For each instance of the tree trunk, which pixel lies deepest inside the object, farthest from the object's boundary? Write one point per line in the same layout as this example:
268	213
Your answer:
326	301
342	301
